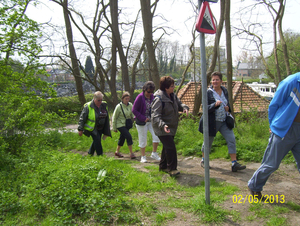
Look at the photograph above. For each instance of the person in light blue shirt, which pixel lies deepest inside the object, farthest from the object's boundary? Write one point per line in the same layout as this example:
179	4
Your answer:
284	119
218	107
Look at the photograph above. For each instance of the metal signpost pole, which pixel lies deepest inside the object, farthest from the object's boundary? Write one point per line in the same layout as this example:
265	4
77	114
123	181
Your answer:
205	113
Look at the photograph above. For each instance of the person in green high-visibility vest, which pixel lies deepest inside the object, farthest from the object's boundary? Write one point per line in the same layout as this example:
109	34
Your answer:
94	121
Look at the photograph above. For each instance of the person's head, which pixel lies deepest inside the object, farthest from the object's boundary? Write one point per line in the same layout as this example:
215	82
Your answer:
218	74
165	83
98	97
216	79
125	97
148	89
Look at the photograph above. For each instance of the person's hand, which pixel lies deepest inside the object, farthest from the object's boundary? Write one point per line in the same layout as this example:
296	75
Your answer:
166	129
115	130
218	103
186	111
80	132
226	108
147	120
270	131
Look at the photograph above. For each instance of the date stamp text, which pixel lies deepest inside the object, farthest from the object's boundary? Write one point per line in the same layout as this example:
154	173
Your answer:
240	199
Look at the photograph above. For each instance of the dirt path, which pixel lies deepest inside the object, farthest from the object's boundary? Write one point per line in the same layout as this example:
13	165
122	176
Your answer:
283	182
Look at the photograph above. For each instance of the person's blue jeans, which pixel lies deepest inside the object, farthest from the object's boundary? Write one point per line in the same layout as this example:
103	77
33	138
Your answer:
275	152
228	136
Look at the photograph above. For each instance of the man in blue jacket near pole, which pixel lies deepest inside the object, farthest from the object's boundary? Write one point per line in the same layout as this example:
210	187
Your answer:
284	119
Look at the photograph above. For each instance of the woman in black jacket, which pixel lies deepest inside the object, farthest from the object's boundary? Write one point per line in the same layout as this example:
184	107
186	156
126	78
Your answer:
218	107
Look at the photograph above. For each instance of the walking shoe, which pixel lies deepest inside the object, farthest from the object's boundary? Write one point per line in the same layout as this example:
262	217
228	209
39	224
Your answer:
236	166
119	154
143	159
257	194
132	156
174	173
202	164
155	156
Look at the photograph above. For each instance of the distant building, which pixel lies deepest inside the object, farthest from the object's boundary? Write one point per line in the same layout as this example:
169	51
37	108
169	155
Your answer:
252	70
58	75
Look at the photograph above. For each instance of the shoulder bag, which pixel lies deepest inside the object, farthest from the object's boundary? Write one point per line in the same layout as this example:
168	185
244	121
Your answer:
128	122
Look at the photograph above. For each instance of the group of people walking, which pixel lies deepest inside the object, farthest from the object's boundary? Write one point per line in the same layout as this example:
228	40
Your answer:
154	112
158	113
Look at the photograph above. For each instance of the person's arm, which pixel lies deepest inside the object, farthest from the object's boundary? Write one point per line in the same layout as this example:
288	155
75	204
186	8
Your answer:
156	113
280	96
182	107
82	119
136	108
211	102
115	116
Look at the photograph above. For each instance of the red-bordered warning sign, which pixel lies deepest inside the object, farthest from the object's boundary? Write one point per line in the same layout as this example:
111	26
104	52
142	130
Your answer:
205	21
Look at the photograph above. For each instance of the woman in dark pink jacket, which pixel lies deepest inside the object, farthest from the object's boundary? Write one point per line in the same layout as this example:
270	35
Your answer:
142	111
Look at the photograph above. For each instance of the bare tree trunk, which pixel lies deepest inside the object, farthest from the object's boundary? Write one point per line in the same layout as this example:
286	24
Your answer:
198	95
229	54
117	37
134	66
187	66
147	17
275	51
75	65
282	39
217	41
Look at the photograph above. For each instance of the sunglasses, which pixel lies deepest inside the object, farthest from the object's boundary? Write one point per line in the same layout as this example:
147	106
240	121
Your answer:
149	91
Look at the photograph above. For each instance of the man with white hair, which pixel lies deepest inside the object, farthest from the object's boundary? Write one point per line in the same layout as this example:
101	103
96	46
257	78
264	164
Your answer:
94	121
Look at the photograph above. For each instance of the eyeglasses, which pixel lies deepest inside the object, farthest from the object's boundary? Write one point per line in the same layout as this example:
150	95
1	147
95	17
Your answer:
149	91
99	100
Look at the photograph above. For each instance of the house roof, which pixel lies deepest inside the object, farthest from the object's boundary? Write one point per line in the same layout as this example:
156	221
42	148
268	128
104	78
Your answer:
244	98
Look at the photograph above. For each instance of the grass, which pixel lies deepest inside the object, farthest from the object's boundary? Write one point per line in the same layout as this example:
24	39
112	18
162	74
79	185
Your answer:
46	184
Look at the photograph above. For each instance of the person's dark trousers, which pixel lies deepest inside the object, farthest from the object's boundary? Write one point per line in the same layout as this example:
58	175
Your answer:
124	134
96	145
169	154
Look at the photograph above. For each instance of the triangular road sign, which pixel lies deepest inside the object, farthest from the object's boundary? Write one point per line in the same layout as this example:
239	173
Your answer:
205	21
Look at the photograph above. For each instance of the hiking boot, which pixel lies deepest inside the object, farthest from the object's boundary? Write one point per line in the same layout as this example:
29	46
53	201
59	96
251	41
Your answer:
143	159
155	156
174	173
236	166
202	164
257	194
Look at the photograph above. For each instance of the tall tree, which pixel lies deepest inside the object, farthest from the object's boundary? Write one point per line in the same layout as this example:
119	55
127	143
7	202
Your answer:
75	65
147	17
253	32
216	46
89	67
116	39
277	16
23	94
229	53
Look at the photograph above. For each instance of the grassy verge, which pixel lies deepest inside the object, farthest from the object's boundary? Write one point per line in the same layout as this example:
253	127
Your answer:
46	184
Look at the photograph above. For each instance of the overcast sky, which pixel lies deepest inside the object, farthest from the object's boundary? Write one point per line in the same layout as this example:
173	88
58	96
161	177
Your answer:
180	16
